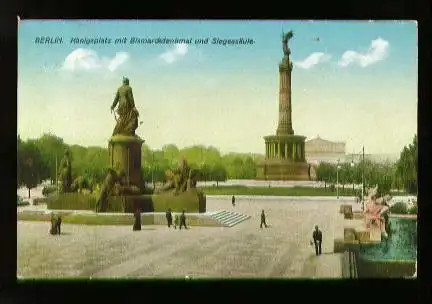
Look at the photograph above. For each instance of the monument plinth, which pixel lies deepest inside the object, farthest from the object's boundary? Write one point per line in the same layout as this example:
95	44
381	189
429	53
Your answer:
285	152
125	156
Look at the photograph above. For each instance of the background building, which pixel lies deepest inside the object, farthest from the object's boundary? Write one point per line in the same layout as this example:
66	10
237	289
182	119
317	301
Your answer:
319	150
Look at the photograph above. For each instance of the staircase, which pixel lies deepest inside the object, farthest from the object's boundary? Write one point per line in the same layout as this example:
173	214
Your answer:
229	219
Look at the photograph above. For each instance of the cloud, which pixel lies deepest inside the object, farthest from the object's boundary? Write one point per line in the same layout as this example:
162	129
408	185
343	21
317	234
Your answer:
377	51
86	59
312	59
172	55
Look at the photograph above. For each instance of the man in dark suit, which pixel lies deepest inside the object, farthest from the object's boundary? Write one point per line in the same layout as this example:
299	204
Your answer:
183	220
169	217
233	200
58	224
137	222
263	219
317	238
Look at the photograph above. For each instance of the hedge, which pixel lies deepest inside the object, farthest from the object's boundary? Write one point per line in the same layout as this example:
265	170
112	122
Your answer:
22	203
399	208
276	191
413	210
40	200
191	201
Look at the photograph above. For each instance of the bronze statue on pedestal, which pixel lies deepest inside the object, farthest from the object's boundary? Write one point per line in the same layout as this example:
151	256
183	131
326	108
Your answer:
285	38
127	120
65	175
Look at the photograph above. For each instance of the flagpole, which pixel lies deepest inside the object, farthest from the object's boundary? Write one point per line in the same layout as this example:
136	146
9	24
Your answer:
56	177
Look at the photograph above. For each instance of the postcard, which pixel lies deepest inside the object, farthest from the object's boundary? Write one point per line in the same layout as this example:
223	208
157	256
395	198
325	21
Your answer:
217	149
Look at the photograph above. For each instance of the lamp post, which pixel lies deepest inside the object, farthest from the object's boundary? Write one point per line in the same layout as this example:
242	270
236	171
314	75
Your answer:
362	178
152	171
56	175
337	179
352	171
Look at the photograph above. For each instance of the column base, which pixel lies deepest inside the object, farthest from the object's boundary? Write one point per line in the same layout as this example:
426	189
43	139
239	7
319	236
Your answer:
283	170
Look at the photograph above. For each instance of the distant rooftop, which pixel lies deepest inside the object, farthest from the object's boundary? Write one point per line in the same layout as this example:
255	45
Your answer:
319	140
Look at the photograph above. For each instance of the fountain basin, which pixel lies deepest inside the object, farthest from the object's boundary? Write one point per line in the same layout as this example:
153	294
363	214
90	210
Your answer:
393	257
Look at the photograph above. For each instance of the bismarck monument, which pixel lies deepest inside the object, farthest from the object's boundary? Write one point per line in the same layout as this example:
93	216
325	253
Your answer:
285	152
124	180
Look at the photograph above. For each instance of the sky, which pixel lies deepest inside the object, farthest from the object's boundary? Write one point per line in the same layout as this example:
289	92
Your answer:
352	81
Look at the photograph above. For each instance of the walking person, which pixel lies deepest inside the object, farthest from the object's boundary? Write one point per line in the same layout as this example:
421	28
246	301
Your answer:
169	217
58	224
137	222
317	239
233	200
183	220
53	229
176	221
263	219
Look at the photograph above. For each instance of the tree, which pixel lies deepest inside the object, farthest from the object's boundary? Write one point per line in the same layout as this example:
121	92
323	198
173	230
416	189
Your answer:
31	165
249	169
204	173
218	173
19	162
407	167
325	172
171	154
345	174
50	147
94	165
146	156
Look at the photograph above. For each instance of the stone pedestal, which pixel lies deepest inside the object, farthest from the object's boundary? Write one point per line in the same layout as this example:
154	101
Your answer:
125	155
349	234
284	159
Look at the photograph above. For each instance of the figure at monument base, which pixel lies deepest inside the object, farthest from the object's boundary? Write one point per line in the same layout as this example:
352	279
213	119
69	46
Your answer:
179	180
65	174
375	210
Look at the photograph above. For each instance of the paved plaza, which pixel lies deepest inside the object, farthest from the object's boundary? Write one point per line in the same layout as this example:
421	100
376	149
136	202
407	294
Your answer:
245	250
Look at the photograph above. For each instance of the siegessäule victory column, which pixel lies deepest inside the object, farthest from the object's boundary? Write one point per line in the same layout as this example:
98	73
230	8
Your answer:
285	152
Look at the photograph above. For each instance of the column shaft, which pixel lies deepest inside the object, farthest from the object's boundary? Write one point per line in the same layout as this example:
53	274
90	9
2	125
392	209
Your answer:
279	150
303	151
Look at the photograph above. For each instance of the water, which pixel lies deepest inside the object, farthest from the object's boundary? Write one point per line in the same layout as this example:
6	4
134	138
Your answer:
400	245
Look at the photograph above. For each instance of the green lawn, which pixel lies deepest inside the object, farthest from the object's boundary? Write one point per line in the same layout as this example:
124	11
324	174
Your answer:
273	191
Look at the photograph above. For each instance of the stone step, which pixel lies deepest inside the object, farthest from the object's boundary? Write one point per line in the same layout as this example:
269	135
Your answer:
220	215
232	218
229	219
238	220
228	215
